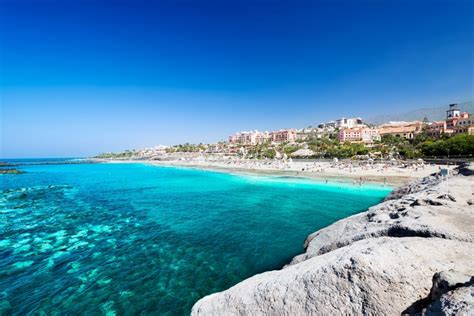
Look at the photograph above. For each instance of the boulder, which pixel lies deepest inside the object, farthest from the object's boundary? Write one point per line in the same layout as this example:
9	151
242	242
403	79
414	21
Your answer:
380	276
459	301
410	254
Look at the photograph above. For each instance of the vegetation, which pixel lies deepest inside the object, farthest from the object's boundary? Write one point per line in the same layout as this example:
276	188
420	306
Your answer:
289	149
422	145
346	150
459	145
187	148
121	155
261	151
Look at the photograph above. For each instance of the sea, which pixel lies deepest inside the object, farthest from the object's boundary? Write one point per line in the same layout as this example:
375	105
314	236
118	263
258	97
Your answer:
137	239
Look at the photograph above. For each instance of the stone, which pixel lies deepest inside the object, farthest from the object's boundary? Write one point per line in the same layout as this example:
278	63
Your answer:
446	281
380	276
459	301
374	263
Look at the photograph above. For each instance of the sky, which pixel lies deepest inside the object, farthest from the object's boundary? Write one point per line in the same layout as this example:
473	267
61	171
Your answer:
79	78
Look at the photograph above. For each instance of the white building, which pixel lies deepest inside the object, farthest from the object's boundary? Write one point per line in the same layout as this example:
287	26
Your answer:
453	111
343	123
348	122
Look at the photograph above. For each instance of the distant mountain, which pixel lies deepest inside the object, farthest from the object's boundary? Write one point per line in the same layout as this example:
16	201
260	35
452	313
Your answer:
433	114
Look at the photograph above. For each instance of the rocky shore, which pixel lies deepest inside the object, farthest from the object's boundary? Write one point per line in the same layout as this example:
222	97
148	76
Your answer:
411	254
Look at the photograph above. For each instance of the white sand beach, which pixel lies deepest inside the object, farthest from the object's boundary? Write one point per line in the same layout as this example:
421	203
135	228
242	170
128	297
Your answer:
391	173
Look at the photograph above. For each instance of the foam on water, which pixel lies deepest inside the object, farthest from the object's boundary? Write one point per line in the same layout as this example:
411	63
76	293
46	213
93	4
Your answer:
119	239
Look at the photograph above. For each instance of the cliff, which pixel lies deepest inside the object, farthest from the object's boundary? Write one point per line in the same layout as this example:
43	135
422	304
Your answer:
413	253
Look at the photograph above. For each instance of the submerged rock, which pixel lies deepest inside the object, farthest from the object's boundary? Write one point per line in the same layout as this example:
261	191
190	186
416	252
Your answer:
380	262
11	171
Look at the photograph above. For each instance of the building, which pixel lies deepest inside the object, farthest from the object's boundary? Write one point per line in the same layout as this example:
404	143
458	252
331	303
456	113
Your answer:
350	135
454	115
348	122
369	135
407	130
304	134
465	124
243	138
343	123
454	118
453	111
457	122
359	135
263	137
283	136
215	148
330	124
257	137
437	128
151	151
249	138
309	132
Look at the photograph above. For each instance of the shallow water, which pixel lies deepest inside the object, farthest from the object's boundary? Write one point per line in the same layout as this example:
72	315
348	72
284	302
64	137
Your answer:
129	238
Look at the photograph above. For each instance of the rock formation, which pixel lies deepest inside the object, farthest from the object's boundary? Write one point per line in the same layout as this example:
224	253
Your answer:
411	254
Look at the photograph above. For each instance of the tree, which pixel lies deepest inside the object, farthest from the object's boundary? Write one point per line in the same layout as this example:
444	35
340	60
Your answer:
458	145
269	153
289	149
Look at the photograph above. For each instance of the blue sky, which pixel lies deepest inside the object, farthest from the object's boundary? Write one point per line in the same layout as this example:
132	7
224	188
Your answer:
82	77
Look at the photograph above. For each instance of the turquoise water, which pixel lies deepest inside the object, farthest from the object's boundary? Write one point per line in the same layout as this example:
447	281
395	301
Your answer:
131	239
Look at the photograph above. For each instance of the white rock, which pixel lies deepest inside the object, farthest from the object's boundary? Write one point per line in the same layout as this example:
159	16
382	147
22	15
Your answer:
381	276
458	302
380	262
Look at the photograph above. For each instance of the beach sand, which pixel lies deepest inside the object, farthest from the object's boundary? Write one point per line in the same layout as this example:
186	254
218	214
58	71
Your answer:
356	173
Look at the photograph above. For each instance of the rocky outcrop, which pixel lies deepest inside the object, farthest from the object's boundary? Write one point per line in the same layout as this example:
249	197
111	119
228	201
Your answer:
409	254
457	302
414	187
452	294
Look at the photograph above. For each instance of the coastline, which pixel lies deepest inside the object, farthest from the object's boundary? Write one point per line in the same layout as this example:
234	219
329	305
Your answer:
411	254
391	176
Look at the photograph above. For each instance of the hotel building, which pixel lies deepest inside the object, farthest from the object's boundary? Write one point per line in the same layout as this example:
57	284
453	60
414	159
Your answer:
348	122
465	124
436	129
453	115
343	123
364	135
249	138
284	136
407	130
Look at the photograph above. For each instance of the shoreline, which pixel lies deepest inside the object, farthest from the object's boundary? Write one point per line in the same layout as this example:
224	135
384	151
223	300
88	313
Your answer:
392	176
409	254
386	260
